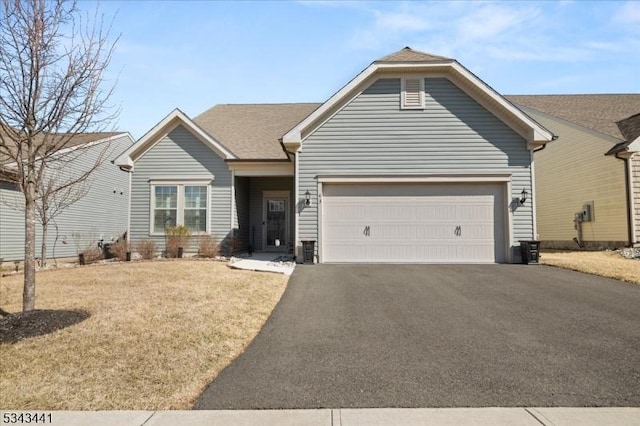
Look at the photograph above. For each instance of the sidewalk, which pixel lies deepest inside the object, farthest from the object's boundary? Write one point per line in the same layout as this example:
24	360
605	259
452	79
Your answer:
346	417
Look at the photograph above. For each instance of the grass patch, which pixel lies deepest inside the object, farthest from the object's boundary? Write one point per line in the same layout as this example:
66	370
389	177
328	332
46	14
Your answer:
156	335
608	264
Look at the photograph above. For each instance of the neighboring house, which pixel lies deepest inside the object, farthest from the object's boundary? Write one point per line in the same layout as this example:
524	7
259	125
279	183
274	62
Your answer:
592	170
414	160
101	213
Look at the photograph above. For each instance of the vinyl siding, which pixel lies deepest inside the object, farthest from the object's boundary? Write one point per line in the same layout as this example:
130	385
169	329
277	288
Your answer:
257	188
100	214
635	177
571	171
372	135
242	211
177	155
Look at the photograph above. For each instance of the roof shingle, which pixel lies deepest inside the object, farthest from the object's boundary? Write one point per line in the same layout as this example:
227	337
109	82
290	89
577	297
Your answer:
595	112
253	131
407	54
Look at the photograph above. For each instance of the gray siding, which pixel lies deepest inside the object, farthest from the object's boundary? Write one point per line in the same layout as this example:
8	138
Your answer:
257	186
11	222
372	135
178	155
242	211
100	214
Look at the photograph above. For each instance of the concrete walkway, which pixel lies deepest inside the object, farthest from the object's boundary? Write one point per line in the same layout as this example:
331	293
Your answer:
350	417
264	262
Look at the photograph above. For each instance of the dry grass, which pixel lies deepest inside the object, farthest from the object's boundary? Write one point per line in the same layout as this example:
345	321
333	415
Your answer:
604	263
159	332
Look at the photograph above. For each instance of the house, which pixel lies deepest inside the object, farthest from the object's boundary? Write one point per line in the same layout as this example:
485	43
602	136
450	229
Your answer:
588	181
100	213
413	160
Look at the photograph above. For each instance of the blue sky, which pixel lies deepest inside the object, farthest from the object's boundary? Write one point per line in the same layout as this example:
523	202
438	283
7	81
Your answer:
193	55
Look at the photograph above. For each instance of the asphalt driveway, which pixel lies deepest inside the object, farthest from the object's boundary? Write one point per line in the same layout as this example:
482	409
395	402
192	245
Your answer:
346	336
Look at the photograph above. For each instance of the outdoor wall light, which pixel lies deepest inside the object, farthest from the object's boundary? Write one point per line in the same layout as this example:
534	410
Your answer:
307	198
523	196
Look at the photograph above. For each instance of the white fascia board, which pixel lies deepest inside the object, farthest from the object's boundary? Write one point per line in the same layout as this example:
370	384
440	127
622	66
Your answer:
153	136
294	136
538	134
261	168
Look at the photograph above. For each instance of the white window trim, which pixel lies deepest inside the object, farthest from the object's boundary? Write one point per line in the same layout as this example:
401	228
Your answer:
403	93
180	184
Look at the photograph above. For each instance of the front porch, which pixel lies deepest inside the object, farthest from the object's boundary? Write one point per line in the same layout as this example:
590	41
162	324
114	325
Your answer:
264	214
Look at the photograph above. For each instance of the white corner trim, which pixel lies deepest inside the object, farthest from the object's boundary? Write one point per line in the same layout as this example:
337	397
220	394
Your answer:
165	126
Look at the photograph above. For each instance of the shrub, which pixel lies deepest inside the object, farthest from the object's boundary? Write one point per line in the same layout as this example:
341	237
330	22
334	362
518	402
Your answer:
177	236
147	249
120	249
208	247
92	254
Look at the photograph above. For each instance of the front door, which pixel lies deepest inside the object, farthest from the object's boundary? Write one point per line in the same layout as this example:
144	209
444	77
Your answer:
275	223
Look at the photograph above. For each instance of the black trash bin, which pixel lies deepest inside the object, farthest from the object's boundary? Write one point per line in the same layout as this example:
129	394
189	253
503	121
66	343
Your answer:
530	251
308	250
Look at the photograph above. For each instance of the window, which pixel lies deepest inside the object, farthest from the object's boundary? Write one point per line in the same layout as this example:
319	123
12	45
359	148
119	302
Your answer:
165	212
412	93
179	204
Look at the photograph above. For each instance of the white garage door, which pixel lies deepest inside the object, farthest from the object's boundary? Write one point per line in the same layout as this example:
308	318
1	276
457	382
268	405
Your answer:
421	223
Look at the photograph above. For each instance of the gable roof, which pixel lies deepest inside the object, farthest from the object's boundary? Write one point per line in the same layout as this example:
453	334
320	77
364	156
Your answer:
253	131
78	141
595	112
174	119
75	140
409	60
630	127
409	55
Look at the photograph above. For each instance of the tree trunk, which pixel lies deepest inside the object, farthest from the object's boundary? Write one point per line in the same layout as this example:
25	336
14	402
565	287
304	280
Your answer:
29	291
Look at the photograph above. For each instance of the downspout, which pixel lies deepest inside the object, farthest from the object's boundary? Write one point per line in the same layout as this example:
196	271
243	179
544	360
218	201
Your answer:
534	190
629	194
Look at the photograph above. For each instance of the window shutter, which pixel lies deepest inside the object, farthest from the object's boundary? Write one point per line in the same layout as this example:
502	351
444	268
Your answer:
413	93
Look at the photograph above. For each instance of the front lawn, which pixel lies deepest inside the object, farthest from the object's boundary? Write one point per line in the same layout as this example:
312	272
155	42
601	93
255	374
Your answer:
608	264
157	334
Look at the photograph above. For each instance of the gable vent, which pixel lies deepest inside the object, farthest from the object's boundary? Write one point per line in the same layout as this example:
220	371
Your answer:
412	93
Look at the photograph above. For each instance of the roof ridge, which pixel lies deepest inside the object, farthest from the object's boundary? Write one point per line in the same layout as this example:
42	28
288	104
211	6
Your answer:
579	94
407	54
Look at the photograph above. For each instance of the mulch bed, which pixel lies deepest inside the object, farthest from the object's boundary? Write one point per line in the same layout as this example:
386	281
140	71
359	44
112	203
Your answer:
22	325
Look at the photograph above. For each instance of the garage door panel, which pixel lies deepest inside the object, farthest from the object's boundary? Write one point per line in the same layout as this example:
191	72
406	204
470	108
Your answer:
413	223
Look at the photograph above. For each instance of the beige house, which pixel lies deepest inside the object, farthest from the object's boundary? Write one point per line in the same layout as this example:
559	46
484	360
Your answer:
587	190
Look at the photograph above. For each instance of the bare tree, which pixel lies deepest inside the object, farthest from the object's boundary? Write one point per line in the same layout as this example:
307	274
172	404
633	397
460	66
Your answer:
60	188
52	65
